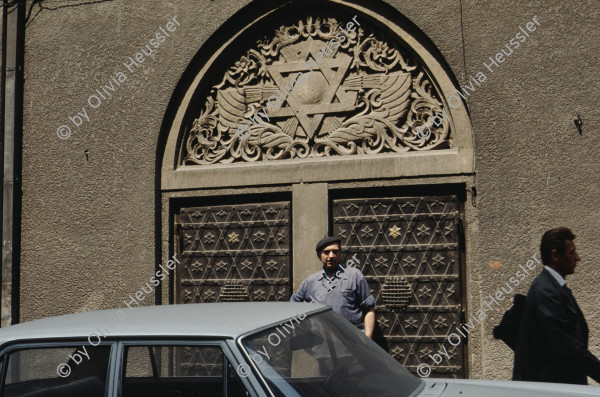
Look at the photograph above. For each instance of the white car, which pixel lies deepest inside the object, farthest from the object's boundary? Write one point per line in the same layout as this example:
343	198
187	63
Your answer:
220	349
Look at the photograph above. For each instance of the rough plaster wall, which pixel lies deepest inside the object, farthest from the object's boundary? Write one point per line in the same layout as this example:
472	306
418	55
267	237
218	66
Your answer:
440	22
534	171
88	223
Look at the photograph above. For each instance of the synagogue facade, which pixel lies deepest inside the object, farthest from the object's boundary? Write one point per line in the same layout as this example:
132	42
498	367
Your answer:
439	140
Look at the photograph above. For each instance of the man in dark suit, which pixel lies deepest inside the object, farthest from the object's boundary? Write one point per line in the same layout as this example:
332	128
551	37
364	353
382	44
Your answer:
552	345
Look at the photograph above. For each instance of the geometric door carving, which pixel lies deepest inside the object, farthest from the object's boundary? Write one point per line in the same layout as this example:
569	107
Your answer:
408	250
233	253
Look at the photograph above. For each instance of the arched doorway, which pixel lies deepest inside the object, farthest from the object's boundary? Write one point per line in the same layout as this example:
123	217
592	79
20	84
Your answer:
315	118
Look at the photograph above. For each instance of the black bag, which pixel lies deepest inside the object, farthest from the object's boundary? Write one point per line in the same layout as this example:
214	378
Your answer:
508	329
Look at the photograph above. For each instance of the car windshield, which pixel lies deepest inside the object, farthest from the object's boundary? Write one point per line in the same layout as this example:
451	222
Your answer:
324	355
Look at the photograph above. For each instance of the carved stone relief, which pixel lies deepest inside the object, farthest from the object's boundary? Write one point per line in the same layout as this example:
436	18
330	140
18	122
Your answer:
367	96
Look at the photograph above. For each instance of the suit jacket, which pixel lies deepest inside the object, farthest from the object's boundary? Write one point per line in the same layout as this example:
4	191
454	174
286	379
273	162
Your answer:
553	337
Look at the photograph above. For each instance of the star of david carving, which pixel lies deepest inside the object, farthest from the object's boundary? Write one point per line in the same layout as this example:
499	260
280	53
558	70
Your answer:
438	260
383	322
221	266
327	75
451	353
394	231
272	265
196	266
209	238
233	237
425	291
246	265
397	352
259	237
425	352
411	322
409	261
423	230
196	214
280	237
449	229
209	296
440	322
381	261
366	232
352	100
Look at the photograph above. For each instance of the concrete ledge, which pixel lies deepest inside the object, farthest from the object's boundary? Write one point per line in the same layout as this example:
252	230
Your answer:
440	162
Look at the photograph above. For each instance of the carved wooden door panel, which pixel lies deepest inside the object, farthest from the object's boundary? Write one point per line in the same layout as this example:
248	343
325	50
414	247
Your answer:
409	251
233	253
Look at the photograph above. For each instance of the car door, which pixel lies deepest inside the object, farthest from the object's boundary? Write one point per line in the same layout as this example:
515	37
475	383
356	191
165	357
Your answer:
63	369
177	368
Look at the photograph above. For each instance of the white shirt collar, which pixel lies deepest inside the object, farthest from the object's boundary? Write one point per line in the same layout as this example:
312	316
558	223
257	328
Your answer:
557	276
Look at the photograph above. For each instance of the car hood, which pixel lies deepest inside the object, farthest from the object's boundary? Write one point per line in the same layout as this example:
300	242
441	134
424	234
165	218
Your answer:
498	388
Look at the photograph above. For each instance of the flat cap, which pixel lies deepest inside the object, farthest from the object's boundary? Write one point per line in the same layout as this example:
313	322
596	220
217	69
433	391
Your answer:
328	241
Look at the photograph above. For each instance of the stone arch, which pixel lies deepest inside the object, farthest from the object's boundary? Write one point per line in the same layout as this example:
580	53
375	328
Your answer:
383	62
378	111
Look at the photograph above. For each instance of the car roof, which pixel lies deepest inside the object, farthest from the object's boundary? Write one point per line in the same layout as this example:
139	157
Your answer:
228	320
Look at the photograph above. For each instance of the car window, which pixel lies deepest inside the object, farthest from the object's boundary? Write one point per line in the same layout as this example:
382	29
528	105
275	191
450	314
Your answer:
37	372
324	355
178	370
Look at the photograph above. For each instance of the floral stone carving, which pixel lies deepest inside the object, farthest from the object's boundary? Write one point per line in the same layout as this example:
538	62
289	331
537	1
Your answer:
365	97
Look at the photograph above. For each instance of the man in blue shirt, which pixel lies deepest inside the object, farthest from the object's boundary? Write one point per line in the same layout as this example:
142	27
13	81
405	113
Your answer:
343	288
